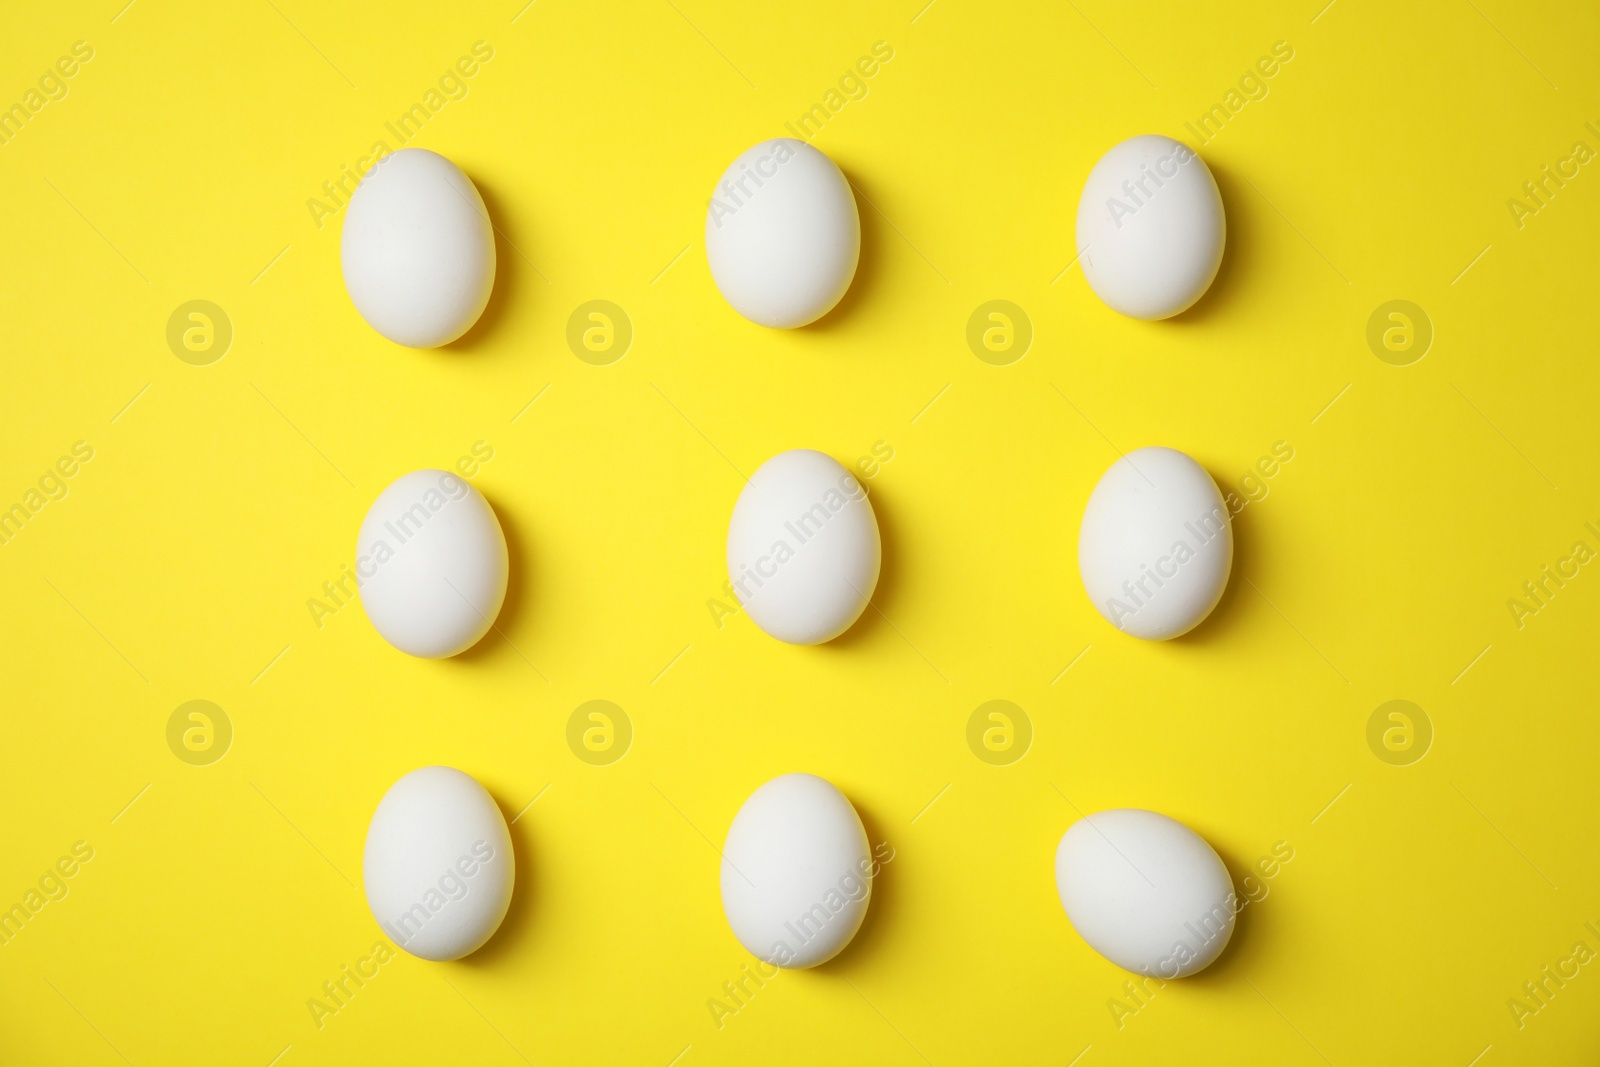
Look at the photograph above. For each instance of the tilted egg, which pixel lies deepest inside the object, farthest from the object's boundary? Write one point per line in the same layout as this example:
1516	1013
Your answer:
796	872
1146	892
803	548
1156	545
431	564
1150	227
783	234
418	249
438	867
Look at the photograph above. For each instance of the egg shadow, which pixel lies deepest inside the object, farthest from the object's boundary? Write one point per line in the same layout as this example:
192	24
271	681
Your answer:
516	929
1229	613
1246	943
1238	252
869	266
518	564
873	615
509	266
858	954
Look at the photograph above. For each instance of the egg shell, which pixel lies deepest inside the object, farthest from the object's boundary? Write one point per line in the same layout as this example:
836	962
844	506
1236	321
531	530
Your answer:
432	562
804	550
1146	892
783	234
417	249
1151	227
438	866
1156	545
796	872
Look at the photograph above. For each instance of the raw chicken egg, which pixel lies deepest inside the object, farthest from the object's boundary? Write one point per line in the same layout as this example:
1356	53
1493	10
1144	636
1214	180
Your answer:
431	564
1156	545
1146	892
796	872
803	548
1150	227
782	234
438	868
417	249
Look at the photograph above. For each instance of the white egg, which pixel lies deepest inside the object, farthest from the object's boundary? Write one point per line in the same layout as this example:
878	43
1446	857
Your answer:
782	234
438	867
803	548
418	249
1146	892
1150	227
796	872
431	564
1156	544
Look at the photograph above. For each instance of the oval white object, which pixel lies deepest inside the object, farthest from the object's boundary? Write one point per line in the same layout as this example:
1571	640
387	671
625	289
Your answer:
432	564
1146	892
417	249
1150	227
803	548
438	867
1156	545
782	234
796	872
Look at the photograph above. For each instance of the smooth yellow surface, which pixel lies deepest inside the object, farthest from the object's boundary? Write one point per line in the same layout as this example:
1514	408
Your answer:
1378	566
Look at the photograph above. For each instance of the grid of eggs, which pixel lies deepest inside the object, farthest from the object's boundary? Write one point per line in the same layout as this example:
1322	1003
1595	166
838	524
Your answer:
782	238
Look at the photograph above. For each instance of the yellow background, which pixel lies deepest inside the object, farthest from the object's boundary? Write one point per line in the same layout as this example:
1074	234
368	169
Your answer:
1378	567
